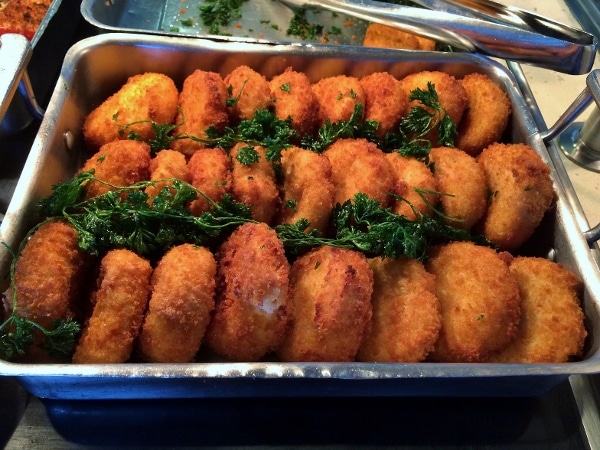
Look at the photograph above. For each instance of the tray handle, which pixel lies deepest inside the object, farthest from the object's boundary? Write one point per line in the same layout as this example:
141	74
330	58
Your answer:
580	141
15	54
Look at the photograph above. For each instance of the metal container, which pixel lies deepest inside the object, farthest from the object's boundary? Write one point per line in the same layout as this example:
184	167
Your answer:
93	69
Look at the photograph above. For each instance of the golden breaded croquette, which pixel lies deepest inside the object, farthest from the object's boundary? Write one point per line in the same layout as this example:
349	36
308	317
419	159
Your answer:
293	97
552	322
451	94
337	98
50	274
143	99
307	191
210	171
462	185
118	163
406	313
331	293
358	165
119	305
385	101
252	309
379	35
165	165
521	192
486	116
202	104
250	92
254	184
479	302
414	182
182	299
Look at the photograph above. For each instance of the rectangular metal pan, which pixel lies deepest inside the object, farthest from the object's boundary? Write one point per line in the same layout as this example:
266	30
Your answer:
259	21
93	70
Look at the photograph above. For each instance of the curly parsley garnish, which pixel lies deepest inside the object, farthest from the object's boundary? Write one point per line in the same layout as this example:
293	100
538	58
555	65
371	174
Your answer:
218	13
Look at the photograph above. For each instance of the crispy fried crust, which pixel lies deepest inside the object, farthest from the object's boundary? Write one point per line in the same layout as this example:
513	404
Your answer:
143	98
50	273
451	93
521	192
252	311
357	165
119	163
479	299
379	35
254	184
202	104
167	164
250	91
307	190
461	182
406	313
120	303
411	175
487	114
552	324
293	97
337	98
385	101
183	289
331	293
210	171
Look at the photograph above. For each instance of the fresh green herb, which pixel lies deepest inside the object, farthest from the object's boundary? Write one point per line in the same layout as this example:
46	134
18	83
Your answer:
123	217
286	87
247	155
291	204
162	133
420	121
354	127
300	27
232	101
189	22
18	334
218	13
364	225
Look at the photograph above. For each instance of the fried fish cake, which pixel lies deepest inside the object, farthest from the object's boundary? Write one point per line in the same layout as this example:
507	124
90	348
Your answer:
337	98
182	299
406	313
552	324
252	309
462	186
385	101
521	192
479	300
117	164
119	306
50	274
293	97
357	165
451	94
249	91
307	190
165	166
331	294
253	182
210	171
379	35
143	99
202	104
414	182
486	116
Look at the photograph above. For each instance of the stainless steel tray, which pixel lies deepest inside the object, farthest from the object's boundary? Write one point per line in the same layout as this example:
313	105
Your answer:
266	21
93	69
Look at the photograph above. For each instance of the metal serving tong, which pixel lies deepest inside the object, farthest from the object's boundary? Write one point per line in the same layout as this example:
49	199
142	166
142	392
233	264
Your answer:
481	26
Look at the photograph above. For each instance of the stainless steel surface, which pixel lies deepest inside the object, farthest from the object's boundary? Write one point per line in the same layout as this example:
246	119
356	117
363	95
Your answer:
15	53
92	71
571	51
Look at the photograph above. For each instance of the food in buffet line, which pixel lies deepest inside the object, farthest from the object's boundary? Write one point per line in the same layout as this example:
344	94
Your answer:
379	35
22	16
299	205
